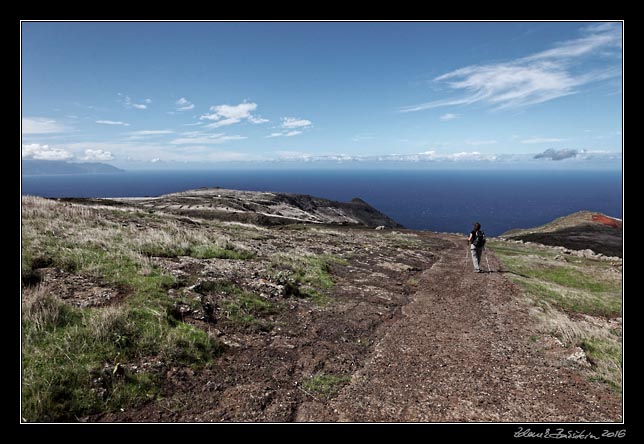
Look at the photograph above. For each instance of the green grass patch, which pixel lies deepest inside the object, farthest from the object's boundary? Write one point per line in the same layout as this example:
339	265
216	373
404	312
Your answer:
325	386
311	275
66	349
606	357
68	353
208	251
238	306
582	286
243	309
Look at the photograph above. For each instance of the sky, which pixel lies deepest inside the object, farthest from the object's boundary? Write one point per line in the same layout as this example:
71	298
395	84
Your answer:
154	94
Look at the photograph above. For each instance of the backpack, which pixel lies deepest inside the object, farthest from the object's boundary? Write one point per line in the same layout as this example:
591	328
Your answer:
479	239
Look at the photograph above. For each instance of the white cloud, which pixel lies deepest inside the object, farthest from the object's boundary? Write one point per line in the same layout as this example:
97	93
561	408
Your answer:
253	119
128	103
44	152
294	155
293	122
544	76
184	104
97	156
223	122
112	122
448	116
223	115
480	142
143	133
41	125
543	140
285	134
290	123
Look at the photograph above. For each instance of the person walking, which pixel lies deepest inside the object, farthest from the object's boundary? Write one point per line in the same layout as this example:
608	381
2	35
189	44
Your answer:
476	241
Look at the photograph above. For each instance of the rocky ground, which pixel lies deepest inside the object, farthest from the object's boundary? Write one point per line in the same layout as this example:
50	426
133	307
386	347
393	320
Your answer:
328	323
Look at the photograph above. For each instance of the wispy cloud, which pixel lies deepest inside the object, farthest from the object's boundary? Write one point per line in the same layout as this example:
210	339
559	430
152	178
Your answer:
289	124
294	122
448	116
44	152
200	138
129	103
97	156
224	115
41	125
480	142
184	104
537	78
143	133
543	140
112	122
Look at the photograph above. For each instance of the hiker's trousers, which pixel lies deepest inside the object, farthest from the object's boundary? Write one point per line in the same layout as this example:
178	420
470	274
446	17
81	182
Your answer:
476	257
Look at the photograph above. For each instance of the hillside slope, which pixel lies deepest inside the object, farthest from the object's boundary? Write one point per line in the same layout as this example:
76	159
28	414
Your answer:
579	231
263	208
133	312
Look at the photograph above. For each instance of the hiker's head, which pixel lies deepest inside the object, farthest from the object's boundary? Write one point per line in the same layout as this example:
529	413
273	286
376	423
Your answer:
477	226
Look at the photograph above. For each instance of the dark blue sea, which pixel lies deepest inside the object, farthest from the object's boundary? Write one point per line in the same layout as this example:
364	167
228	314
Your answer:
436	200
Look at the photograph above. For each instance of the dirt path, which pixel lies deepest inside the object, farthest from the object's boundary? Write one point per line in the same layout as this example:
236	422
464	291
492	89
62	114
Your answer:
462	352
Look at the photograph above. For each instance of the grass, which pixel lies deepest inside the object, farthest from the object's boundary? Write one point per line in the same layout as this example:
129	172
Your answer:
324	386
310	275
242	308
606	356
582	285
574	299
66	350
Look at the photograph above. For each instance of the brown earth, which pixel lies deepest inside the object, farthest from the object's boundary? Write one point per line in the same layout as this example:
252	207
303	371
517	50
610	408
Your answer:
416	335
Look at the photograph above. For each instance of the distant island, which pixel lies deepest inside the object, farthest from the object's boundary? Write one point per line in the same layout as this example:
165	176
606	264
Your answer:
32	167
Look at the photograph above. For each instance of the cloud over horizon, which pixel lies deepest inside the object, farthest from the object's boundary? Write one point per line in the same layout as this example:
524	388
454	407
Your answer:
44	152
97	156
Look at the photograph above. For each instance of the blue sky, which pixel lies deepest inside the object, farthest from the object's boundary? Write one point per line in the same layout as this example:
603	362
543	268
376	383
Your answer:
167	93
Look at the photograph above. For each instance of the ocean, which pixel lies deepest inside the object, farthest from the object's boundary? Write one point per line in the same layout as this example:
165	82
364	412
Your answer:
436	200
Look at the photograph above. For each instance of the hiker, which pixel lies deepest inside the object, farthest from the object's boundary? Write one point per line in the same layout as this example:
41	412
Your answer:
477	242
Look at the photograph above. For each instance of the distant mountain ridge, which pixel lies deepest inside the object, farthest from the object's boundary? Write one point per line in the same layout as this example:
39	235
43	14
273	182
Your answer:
263	208
34	167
